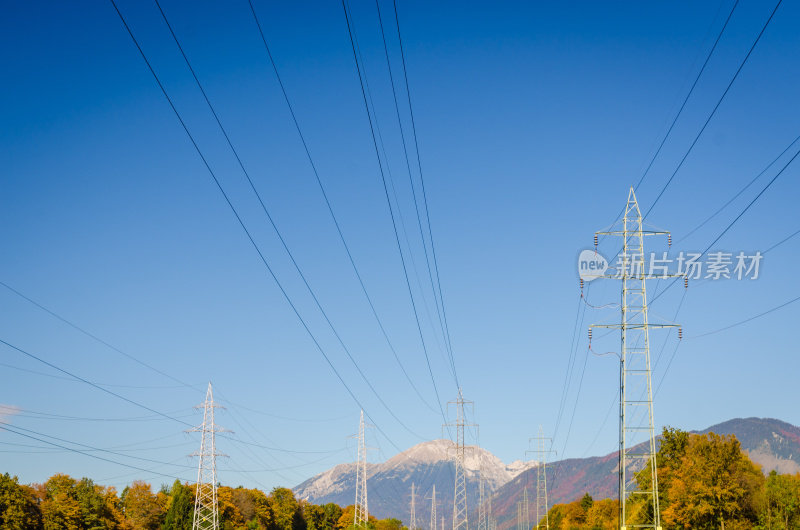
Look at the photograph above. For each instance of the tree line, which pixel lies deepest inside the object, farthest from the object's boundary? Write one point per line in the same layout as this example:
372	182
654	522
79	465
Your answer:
64	503
704	482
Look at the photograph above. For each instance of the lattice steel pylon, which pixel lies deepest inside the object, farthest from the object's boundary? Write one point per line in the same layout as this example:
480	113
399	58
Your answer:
637	440
413	524
541	479
460	516
482	521
361	513
433	509
206	510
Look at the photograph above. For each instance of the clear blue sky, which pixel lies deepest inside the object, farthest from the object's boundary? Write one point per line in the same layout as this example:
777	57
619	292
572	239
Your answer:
533	121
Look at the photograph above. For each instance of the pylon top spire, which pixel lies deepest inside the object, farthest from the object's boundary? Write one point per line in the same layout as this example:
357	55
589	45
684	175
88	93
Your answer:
206	512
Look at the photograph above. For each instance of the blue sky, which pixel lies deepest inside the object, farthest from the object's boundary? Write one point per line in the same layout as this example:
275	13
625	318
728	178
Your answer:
533	121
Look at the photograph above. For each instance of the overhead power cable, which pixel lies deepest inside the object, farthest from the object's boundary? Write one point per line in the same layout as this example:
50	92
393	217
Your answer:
275	227
733	222
391	212
90	455
742	190
714	111
445	335
98	339
94	385
330	206
424	193
680	110
238	217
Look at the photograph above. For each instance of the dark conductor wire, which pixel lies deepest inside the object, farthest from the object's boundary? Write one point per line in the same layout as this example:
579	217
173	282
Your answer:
445	335
330	207
275	227
391	212
239	219
719	102
422	186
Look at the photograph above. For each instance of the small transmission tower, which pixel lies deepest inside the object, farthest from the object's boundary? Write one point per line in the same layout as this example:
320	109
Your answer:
460	519
526	521
541	479
362	513
636	426
413	524
206	511
433	508
482	520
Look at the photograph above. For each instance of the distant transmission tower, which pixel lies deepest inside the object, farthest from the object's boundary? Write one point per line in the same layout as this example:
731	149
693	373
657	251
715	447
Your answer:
519	516
541	478
636	426
491	524
482	521
433	508
413	524
526	521
206	511
460	519
362	513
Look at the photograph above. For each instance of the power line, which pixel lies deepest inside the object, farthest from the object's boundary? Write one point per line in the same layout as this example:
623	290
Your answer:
391	213
730	225
703	128
90	455
330	206
688	95
683	105
235	212
424	193
94	385
742	190
445	335
274	226
95	337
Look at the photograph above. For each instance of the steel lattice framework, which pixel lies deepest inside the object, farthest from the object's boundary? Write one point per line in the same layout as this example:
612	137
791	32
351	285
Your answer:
542	517
206	511
637	442
433	508
460	516
362	512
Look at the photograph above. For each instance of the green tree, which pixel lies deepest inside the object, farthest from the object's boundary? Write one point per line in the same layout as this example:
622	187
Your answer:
782	501
180	507
286	513
18	507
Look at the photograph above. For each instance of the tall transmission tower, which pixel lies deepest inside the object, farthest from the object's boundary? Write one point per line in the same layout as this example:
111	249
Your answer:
482	520
460	518
206	511
413	524
541	479
433	508
490	522
636	425
526	521
362	513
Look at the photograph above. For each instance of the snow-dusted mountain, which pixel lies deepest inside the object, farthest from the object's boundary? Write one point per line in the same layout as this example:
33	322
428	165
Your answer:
426	464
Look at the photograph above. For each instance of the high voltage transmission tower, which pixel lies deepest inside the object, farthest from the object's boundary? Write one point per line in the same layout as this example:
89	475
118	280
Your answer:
361	513
541	478
433	509
637	443
206	511
482	521
413	524
460	518
523	522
